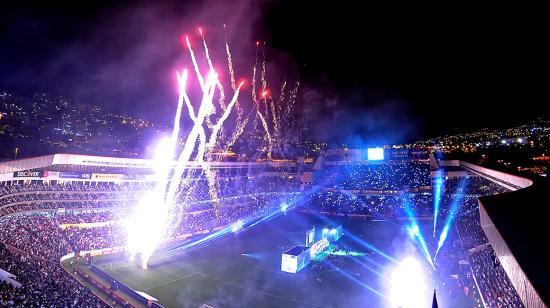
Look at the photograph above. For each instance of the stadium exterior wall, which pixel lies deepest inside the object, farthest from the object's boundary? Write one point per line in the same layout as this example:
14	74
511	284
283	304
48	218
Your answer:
523	286
105	161
27	163
529	296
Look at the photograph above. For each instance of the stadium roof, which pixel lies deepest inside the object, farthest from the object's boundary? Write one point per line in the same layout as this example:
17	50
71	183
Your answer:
105	161
522	220
451	168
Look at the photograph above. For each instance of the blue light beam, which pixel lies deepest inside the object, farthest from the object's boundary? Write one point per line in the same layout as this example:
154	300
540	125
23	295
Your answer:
437	199
457	201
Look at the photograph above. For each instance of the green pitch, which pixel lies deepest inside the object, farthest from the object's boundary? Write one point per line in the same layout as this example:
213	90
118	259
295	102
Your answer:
244	270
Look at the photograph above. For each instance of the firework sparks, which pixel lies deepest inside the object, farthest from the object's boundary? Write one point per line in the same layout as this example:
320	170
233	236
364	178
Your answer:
155	213
156	208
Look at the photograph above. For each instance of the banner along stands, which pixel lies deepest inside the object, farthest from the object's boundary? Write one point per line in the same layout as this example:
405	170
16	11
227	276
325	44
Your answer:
74	175
30	174
107	177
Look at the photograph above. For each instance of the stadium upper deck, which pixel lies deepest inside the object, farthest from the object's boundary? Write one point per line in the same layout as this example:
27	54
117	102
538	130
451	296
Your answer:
73	167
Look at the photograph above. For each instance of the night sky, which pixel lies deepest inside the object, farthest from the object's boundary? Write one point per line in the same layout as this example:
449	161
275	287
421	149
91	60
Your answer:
388	74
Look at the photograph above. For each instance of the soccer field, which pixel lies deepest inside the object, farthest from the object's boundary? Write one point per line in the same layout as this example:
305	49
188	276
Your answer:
243	270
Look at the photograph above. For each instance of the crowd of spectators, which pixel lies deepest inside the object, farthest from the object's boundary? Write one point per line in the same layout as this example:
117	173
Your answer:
43	283
494	284
458	196
40	196
396	175
73	217
35	234
344	189
39	210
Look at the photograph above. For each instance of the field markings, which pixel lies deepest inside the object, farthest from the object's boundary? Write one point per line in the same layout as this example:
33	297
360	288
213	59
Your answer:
273	288
174	280
258	291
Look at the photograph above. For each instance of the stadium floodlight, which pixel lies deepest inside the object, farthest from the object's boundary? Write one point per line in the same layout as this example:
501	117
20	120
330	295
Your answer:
407	284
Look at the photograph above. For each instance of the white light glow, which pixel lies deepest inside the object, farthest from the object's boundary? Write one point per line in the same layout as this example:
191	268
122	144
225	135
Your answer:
375	154
284	207
407	285
237	226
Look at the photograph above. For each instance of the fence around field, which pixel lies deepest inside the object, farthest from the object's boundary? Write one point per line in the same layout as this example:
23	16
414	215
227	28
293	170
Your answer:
124	288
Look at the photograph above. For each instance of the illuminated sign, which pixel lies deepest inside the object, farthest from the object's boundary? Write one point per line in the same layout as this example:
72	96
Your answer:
318	247
30	174
107	176
74	175
375	154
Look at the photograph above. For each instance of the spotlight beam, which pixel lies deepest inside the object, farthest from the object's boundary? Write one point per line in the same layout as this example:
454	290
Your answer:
457	201
437	199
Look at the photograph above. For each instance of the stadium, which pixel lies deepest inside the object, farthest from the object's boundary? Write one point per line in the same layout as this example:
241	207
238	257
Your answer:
364	228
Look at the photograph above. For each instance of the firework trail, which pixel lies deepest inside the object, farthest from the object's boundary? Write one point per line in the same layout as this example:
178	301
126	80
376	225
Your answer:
281	97
196	131
146	242
254	99
195	65
155	209
238	132
274	118
206	51
254	74
153	218
221	99
239	129
240	123
292	98
209	173
264	81
224	117
266	129
229	61
257	100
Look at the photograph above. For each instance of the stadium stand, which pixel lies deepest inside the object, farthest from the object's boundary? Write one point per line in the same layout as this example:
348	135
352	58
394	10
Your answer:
44	217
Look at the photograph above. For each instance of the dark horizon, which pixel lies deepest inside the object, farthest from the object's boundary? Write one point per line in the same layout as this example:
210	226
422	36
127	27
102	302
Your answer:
392	75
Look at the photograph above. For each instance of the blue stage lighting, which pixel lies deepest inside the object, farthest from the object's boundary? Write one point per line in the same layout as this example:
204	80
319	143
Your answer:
237	226
369	246
284	207
437	199
455	205
414	231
